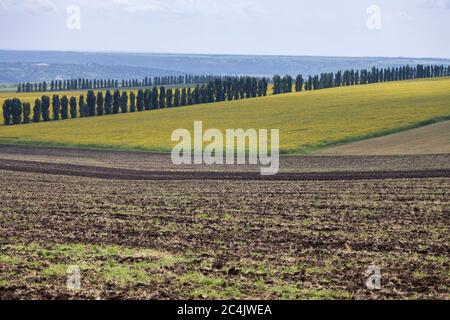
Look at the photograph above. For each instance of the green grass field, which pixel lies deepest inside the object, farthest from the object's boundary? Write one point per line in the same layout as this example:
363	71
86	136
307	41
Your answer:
307	120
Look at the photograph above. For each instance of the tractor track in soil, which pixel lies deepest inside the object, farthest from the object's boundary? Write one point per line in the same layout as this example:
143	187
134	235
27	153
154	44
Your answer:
128	174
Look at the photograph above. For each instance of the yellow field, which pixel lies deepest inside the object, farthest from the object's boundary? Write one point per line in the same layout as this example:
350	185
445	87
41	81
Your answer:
307	120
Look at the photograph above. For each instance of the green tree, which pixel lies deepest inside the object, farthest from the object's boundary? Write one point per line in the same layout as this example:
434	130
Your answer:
124	102
196	95
147	99
73	107
7	111
26	112
162	97
189	97
154	98
183	100
100	102
299	83
82	106
91	101
176	98
16	111
64	108
116	102
56	106
286	84
169	98
132	102
108	102
140	100
276	84
37	110
45	108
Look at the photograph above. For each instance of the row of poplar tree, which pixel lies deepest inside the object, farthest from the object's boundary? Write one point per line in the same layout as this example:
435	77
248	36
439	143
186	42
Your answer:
116	101
352	77
216	90
86	84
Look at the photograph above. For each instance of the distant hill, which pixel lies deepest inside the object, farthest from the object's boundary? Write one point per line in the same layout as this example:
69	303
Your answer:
34	72
16	66
46	65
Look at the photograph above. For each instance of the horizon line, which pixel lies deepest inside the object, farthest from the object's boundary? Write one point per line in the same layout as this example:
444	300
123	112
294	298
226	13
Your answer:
216	54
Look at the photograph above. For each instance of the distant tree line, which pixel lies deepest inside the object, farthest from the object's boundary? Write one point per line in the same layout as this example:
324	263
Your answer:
89	84
116	101
215	90
352	77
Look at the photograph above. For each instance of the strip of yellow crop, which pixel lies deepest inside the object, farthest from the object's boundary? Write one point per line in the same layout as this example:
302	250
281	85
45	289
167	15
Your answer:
306	120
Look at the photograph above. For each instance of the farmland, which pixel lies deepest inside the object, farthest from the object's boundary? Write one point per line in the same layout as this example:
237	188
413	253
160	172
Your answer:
431	139
225	239
307	120
140	227
224	158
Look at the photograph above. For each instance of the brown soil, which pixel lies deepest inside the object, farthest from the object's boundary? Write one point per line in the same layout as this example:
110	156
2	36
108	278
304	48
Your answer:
430	139
223	234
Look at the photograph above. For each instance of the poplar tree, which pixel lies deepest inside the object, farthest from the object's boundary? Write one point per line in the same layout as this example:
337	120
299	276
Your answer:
154	98
7	111
26	112
189	96
169	98
140	100
108	102
73	107
162	97
82	106
56	107
299	83
124	102
45	108
183	101
100	102
147	97
37	110
91	102
64	108
116	102
276	84
176	98
132	102
16	105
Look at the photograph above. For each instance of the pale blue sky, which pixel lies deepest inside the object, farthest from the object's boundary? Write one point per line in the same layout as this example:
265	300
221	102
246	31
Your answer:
415	28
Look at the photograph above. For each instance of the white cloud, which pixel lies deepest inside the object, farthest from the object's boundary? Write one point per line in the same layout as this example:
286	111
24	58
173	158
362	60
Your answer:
435	4
114	8
137	5
28	5
177	7
403	16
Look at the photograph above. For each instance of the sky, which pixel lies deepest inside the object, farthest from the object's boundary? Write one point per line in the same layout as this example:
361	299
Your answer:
388	28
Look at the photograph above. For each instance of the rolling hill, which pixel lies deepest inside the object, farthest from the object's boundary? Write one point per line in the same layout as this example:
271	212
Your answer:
431	139
21	65
307	120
